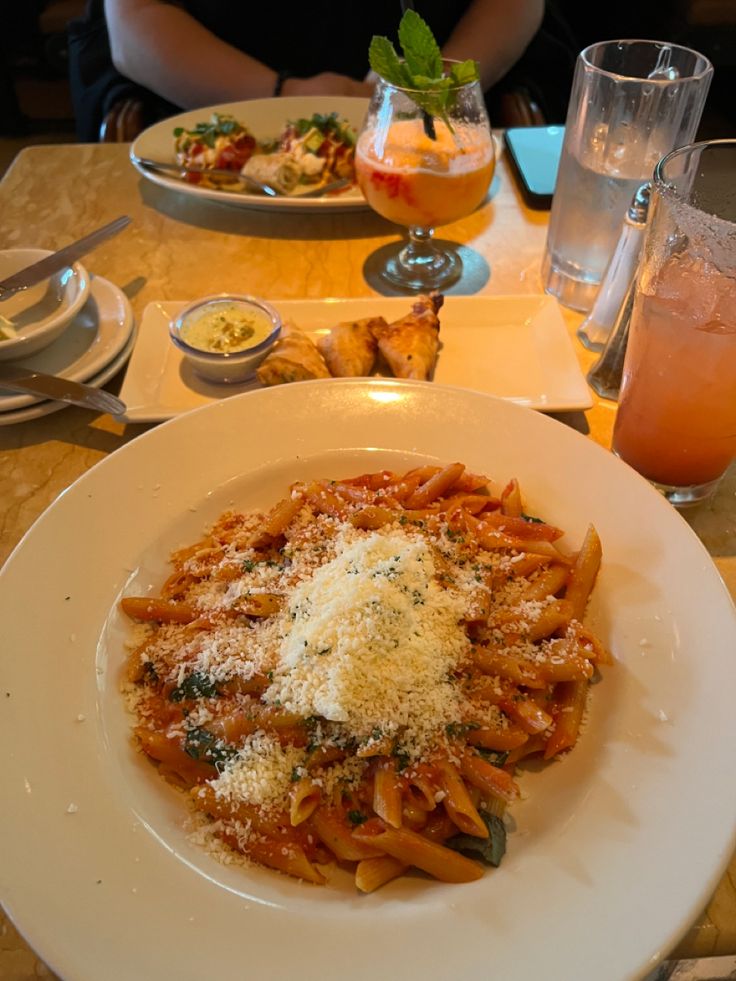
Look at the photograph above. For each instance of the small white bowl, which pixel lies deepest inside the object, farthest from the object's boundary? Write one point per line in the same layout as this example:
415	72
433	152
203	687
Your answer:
34	318
208	334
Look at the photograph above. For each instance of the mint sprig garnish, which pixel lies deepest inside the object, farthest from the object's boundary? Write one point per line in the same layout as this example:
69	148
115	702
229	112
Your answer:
421	69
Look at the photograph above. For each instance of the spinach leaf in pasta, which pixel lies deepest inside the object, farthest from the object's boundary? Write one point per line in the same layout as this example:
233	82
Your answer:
490	849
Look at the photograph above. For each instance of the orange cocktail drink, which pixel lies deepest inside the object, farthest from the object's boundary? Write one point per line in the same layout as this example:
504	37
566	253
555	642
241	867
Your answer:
425	157
676	420
414	180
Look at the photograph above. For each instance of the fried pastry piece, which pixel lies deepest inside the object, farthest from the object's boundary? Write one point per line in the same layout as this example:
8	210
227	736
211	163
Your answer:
410	344
294	357
350	348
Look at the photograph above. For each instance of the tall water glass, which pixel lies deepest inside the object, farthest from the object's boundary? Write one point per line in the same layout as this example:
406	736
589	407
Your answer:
631	103
676	420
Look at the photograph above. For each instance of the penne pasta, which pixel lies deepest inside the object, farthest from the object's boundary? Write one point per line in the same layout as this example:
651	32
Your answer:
351	678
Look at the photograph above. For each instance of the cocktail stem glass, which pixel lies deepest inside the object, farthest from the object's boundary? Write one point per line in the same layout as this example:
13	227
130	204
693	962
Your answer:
421	260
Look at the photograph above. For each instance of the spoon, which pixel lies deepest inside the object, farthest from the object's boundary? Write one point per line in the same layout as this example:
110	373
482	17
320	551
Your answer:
235	176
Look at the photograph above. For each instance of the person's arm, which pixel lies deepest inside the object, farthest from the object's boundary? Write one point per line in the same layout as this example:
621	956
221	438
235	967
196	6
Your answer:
168	51
496	33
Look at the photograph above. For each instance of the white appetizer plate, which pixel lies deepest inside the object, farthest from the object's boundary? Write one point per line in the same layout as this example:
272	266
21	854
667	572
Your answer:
95	338
614	850
515	347
266	119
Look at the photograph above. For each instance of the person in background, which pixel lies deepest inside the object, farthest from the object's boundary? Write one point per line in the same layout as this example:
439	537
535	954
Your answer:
321	51
175	56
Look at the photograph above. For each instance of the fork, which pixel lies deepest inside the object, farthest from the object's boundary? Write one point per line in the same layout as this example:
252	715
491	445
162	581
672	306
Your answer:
179	171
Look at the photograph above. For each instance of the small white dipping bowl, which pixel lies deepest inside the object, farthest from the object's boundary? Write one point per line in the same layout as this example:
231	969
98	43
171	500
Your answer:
34	318
210	335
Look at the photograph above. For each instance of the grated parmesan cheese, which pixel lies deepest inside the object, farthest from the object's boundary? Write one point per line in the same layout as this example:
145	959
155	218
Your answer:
371	641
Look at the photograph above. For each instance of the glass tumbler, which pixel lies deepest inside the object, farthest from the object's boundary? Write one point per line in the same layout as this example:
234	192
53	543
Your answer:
676	419
631	103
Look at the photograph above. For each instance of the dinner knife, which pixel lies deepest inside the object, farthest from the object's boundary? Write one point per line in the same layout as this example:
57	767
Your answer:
65	257
31	382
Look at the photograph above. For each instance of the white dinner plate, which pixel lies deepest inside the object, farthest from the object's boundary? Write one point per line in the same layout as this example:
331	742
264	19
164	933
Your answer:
93	340
266	119
613	851
516	347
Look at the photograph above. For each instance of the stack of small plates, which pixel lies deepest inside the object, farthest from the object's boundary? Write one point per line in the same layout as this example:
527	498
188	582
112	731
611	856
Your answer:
92	349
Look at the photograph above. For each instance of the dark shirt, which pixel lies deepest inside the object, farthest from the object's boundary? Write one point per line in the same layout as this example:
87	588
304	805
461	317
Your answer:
304	39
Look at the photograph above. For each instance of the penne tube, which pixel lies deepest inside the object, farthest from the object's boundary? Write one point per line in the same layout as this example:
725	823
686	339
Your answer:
488	778
500	740
277	520
414	849
304	798
161	610
170	752
553	617
436	486
372	873
284	856
511	499
571	701
387	798
493	661
457	801
583	573
372	516
547	583
531	717
328	823
258	604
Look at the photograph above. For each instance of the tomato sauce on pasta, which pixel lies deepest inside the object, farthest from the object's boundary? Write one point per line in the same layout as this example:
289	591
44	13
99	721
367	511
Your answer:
352	678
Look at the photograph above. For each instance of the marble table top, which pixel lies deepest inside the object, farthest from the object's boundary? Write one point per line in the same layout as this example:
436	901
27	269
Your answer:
179	248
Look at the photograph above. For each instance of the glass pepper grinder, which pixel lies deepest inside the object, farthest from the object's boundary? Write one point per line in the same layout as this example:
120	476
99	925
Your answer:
620	282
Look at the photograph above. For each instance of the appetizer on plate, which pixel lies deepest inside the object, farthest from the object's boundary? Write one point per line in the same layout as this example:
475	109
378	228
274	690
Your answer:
406	348
410	345
350	348
307	153
294	357
221	143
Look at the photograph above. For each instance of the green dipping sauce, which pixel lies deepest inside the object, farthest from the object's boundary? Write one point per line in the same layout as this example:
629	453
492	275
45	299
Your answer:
226	327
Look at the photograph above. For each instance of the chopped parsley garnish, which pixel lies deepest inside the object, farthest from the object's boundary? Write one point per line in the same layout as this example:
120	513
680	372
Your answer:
356	818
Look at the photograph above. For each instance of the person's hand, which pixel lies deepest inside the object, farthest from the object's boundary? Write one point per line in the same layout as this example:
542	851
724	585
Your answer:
326	83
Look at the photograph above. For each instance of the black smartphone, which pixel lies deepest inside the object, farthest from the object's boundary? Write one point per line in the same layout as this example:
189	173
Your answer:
535	156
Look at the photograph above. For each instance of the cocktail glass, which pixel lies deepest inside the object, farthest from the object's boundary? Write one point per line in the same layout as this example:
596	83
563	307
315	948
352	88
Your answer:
422	169
676	420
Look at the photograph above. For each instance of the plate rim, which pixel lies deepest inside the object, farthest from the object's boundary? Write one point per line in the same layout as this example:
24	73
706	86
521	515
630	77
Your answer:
427	393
